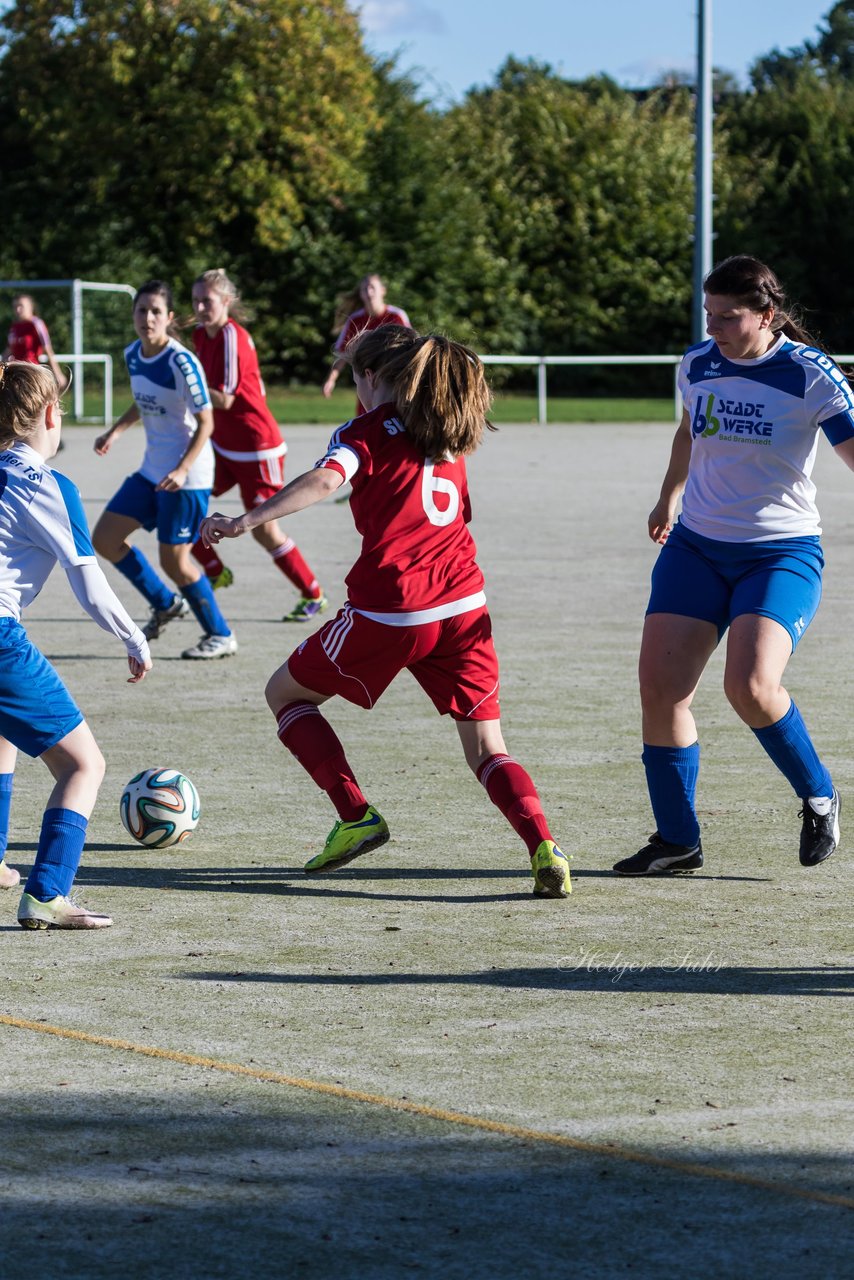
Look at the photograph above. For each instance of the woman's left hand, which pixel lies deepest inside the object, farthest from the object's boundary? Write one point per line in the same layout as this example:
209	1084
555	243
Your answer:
175	480
215	527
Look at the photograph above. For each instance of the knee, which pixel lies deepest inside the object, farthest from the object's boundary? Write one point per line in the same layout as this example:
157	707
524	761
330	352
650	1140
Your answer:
105	546
656	686
747	694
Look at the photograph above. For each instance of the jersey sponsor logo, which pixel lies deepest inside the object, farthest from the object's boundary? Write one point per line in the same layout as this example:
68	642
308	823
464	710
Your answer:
733	419
147	404
394	427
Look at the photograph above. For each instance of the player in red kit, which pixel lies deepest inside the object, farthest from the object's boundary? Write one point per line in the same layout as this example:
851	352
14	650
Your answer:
247	442
416	598
28	337
373	313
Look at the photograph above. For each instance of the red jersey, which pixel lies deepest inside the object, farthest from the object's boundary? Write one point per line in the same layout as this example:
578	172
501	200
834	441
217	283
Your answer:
28	339
417	552
360	322
248	429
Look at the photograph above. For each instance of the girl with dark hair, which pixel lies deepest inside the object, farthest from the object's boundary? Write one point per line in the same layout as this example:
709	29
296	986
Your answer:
744	555
42	523
170	490
416	597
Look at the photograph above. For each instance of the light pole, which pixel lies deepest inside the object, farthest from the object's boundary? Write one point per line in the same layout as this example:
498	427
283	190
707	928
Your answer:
703	165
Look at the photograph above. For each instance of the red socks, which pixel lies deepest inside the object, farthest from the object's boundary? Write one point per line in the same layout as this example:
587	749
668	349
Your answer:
207	558
311	738
511	790
288	558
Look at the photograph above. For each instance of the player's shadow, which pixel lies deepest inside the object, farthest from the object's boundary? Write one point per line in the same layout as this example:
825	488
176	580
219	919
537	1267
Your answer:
695	976
292	882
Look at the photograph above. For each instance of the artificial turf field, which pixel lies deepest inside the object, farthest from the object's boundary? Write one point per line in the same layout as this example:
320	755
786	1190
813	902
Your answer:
412	1066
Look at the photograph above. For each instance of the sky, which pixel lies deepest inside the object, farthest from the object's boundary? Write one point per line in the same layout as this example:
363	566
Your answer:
456	44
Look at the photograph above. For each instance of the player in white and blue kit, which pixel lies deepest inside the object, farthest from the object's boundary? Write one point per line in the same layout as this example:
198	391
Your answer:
41	524
170	490
744	555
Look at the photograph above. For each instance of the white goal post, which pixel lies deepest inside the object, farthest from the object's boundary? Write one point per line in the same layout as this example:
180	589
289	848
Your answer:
77	358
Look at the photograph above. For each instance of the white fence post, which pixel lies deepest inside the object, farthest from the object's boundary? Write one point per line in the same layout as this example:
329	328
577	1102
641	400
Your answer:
77	343
541	392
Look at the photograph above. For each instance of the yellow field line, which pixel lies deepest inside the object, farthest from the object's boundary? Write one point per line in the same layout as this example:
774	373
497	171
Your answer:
607	1150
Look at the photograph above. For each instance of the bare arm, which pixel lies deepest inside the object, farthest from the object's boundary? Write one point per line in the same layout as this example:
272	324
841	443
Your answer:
845	451
329	384
221	399
177	477
304	491
663	514
105	440
61	380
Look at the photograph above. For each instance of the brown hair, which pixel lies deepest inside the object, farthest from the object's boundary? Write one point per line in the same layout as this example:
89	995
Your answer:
438	386
347	303
25	392
757	288
219	281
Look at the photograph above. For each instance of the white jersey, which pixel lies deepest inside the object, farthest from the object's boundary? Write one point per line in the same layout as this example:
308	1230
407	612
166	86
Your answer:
42	523
169	389
754	431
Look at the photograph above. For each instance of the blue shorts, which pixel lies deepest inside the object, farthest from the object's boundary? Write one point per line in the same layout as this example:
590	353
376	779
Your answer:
36	709
698	577
176	516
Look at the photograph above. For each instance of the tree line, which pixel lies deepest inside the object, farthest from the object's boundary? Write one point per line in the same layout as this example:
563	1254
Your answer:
145	138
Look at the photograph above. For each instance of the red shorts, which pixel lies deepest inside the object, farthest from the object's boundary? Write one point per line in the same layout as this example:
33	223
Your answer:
258	479
453	660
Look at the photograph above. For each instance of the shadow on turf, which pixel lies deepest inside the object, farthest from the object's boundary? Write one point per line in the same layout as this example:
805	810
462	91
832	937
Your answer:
219	1183
653	979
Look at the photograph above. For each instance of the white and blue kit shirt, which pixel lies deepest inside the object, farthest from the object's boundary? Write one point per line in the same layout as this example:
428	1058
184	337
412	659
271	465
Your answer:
169	389
754	430
42	523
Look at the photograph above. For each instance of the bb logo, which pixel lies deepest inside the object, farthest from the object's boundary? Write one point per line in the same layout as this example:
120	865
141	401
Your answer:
705	424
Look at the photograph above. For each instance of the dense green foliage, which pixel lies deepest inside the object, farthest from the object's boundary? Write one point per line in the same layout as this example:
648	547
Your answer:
161	137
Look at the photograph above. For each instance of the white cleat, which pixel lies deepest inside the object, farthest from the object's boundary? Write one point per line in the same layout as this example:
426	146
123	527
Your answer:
9	877
212	647
59	913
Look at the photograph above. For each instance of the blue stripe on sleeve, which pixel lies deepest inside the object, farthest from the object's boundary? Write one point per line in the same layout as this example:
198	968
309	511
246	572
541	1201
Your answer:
840	427
76	514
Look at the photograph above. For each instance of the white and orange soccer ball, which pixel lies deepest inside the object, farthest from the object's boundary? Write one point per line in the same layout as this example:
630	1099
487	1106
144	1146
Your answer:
160	807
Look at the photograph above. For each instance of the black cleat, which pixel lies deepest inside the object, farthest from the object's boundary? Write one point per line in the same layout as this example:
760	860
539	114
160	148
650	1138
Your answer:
820	832
660	858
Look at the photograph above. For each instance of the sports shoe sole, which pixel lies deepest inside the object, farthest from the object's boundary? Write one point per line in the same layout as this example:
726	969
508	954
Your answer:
550	883
374	842
657	869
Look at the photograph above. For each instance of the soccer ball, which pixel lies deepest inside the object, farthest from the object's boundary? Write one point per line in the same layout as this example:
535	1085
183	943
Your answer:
160	807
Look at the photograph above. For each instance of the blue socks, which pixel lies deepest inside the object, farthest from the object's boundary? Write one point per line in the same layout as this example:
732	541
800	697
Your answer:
60	849
790	747
200	597
671	777
137	570
6	781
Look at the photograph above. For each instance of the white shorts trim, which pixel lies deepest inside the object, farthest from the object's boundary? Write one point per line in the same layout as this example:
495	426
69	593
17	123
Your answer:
259	455
422	616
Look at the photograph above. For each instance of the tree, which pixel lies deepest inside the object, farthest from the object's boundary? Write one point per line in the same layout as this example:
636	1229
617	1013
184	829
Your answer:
160	131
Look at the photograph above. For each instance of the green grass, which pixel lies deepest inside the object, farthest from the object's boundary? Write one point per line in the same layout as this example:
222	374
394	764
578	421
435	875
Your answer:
306	405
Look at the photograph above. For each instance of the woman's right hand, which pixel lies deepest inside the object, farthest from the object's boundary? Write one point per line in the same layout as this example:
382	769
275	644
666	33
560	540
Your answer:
103	442
329	386
660	521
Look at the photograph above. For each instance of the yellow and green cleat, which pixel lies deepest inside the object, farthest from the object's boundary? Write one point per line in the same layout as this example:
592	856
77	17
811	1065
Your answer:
349	840
224	578
550	866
